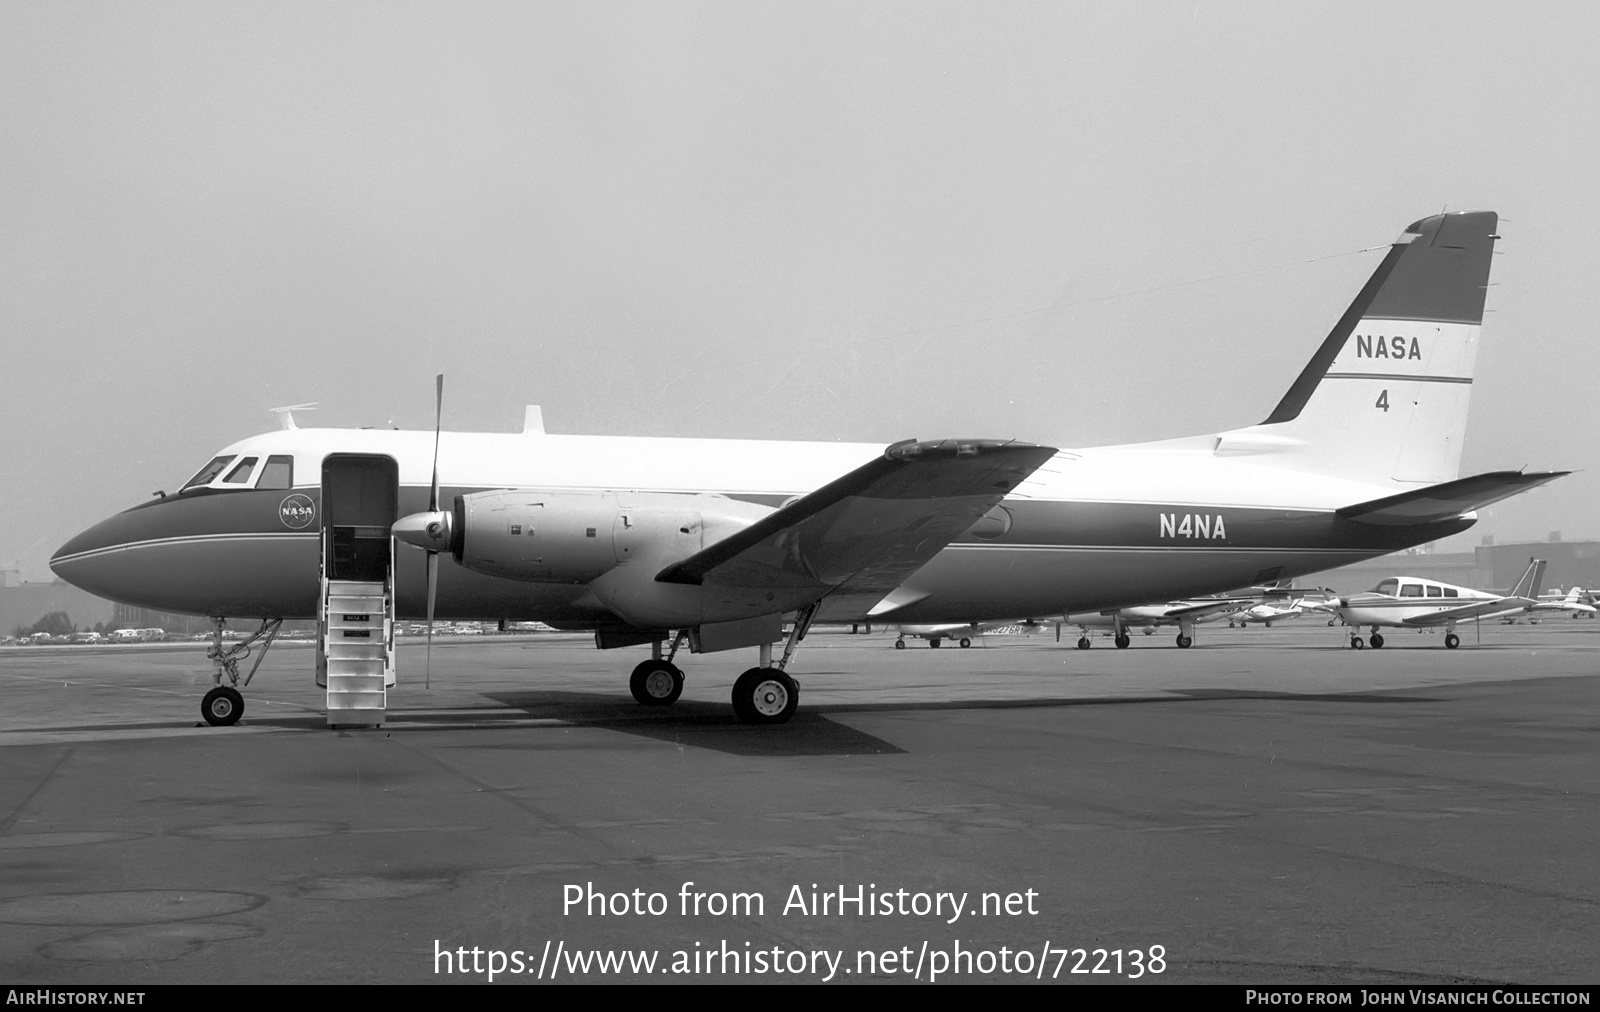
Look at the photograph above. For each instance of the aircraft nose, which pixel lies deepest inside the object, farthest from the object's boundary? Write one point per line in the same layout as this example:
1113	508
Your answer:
93	561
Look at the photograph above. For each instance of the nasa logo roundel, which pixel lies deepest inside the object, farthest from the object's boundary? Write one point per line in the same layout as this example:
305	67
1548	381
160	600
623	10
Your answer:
297	511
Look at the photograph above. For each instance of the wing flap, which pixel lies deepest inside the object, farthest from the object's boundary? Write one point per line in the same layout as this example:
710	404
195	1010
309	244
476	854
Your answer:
1446	501
867	531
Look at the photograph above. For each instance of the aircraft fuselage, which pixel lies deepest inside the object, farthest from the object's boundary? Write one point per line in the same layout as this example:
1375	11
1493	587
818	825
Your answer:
1092	529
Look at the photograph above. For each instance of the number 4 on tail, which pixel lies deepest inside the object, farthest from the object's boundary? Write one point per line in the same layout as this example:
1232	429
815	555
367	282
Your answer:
1383	401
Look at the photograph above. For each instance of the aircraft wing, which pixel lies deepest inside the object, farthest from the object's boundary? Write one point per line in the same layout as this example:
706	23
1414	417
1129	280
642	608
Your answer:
1472	612
866	532
1446	501
1200	609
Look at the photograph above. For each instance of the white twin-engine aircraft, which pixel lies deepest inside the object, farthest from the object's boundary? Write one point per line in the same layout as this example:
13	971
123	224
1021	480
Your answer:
718	544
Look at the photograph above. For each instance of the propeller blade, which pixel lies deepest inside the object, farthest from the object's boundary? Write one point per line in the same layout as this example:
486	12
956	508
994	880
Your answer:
438	422
433	595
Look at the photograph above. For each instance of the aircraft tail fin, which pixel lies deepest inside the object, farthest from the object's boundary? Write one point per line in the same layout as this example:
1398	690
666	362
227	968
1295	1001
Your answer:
1384	399
1528	586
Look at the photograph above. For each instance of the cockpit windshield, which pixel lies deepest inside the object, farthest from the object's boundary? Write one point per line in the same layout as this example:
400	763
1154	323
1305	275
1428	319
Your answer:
1388	587
241	473
206	475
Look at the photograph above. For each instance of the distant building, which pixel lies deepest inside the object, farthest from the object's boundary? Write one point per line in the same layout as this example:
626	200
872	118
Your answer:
23	604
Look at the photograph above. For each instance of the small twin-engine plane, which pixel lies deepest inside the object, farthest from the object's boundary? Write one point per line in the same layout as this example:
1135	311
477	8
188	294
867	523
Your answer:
721	544
1415	603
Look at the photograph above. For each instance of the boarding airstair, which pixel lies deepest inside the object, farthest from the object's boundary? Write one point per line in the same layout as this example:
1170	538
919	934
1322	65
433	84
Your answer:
358	642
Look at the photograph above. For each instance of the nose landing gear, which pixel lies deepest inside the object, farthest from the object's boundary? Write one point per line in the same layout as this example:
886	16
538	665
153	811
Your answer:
223	705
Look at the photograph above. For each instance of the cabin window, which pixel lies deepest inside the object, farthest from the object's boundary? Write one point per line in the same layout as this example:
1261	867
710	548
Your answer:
1386	587
1411	590
278	472
240	475
206	475
1435	591
1451	592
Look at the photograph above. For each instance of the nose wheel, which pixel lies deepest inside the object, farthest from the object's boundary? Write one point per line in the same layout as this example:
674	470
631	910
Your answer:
222	706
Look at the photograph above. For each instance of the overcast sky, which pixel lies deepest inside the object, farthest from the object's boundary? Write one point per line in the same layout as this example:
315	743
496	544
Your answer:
1069	223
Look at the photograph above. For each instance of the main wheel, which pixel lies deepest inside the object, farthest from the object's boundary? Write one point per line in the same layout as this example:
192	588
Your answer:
965	642
1377	641
1451	641
899	644
222	706
1185	641
1123	641
934	643
1083	643
1355	643
656	683
765	696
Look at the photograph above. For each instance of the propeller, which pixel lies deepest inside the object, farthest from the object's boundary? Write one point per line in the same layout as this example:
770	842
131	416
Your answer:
430	531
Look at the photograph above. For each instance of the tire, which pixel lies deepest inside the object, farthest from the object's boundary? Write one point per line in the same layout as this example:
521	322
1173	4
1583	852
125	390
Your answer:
934	643
656	683
1377	641
765	696
1084	643
965	642
1451	641
1355	643
222	706
1123	641
899	644
1185	642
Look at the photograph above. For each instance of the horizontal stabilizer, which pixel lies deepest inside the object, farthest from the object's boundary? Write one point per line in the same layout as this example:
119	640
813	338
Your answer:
1446	501
867	531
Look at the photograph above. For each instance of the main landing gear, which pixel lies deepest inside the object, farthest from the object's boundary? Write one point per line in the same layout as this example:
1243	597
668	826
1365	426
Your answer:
223	705
766	694
658	681
1451	641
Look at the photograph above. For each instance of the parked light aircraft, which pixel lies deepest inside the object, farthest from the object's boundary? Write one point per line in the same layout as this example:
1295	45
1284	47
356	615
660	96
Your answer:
1183	614
719	543
1412	602
1573	603
1319	602
961	632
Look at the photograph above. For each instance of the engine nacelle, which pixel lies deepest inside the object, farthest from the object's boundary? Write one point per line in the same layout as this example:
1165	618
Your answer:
576	537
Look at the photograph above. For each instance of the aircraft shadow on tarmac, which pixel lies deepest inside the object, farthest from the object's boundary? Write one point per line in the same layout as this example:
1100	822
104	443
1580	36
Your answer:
702	725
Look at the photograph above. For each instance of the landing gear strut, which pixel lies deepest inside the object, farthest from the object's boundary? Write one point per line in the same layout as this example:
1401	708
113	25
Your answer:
223	705
766	694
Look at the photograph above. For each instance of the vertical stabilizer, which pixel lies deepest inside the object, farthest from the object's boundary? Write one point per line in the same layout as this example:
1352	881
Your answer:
1528	586
1385	397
